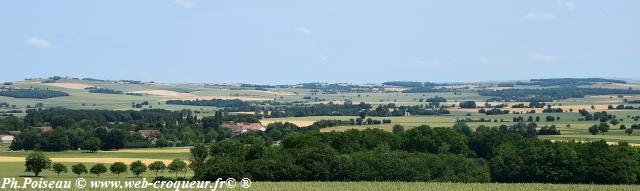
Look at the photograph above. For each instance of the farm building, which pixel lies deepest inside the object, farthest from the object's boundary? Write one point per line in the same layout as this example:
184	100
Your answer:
149	133
6	139
44	129
243	127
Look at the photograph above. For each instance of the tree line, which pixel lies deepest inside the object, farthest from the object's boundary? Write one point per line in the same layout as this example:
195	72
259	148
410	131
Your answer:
571	81
103	90
37	162
550	94
35	93
237	103
349	109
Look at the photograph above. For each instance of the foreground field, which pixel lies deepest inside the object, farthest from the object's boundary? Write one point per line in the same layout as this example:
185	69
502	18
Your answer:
16	170
375	186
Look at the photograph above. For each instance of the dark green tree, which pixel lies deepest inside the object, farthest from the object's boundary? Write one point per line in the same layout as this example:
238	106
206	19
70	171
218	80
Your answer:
157	166
603	127
79	169
397	129
118	168
137	168
37	162
176	166
98	169
59	168
91	144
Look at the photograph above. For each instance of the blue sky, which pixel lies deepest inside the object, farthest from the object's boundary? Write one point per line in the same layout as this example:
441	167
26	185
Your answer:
287	41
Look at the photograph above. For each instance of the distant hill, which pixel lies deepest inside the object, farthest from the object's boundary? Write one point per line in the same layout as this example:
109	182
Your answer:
569	81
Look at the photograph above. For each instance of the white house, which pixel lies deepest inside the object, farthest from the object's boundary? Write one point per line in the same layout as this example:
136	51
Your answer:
6	139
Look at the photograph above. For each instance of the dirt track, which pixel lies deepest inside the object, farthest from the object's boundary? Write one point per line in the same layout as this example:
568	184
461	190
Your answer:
74	86
176	150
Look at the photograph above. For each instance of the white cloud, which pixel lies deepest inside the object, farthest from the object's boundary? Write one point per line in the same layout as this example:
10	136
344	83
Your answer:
542	57
186	4
540	16
39	42
324	58
566	5
304	29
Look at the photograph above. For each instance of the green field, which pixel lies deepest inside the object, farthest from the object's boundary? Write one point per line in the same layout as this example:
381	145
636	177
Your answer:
577	130
375	186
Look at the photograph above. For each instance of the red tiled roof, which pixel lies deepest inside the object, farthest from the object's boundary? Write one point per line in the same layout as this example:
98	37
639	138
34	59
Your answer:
45	129
244	127
149	133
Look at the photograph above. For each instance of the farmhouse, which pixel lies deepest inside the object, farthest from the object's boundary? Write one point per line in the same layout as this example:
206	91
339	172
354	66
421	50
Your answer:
44	129
149	133
243	127
6	139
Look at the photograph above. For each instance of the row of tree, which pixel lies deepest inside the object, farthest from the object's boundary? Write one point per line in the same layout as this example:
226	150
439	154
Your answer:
103	90
349	109
550	94
38	162
35	93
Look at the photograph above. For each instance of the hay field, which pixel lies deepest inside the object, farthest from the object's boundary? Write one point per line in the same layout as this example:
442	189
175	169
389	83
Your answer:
73	86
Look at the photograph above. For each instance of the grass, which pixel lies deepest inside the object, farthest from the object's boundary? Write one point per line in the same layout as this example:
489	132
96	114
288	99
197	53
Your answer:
16	170
375	186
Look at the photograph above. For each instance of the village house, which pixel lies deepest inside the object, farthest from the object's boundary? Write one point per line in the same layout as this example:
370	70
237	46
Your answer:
6	139
149	133
44	129
243	127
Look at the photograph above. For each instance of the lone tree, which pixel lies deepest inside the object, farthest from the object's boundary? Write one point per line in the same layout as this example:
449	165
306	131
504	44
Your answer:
59	168
199	154
36	162
157	166
603	127
614	122
98	169
467	104
593	129
176	166
79	169
398	129
137	168
91	144
118	168
629	131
